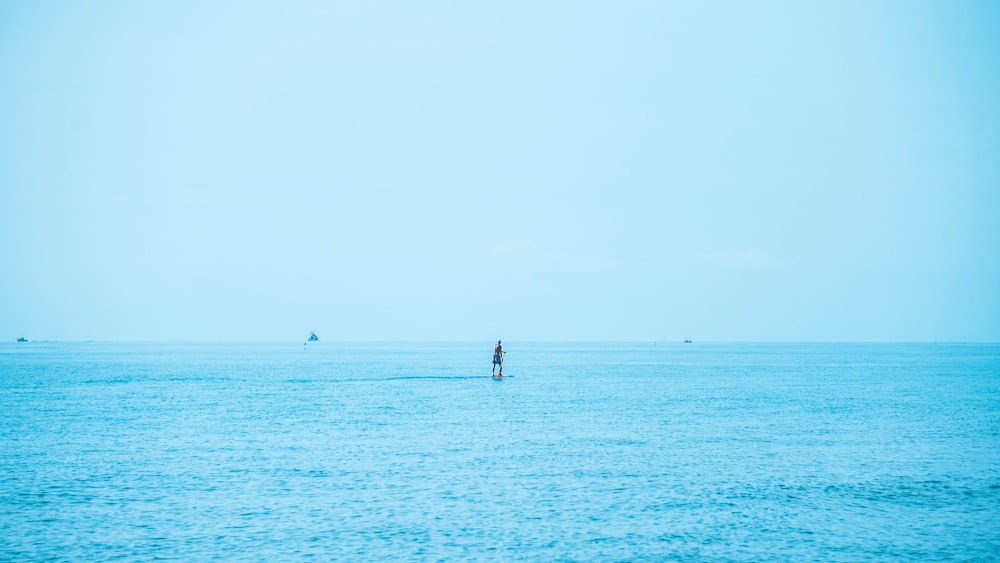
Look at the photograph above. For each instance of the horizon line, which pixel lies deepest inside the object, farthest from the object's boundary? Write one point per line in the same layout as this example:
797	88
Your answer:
463	341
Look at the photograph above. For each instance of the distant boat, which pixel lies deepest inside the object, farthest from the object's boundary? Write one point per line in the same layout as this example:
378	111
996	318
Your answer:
687	341
22	339
313	337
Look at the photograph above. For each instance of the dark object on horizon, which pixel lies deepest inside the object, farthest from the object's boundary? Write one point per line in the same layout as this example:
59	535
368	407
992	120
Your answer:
22	339
313	337
687	341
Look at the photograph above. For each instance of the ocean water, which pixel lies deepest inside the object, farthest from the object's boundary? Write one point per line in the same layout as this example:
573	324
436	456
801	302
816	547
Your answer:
585	452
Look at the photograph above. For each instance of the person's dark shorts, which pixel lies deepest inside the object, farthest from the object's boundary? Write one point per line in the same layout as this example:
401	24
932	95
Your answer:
496	359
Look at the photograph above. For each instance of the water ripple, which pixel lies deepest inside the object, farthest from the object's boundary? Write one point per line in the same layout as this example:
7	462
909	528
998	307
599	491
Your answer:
613	453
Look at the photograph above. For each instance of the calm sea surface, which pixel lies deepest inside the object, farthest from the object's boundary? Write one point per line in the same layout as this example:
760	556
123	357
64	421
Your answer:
706	452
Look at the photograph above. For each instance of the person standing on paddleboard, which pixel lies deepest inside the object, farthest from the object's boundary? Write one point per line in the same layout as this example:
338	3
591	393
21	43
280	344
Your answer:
497	358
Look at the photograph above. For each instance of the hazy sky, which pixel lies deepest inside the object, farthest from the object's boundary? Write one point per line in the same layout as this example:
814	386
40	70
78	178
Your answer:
518	170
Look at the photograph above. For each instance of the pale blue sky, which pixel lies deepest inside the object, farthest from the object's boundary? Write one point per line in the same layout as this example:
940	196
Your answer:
523	170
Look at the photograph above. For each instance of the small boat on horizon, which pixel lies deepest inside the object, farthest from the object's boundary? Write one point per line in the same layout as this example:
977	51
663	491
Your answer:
22	339
313	337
